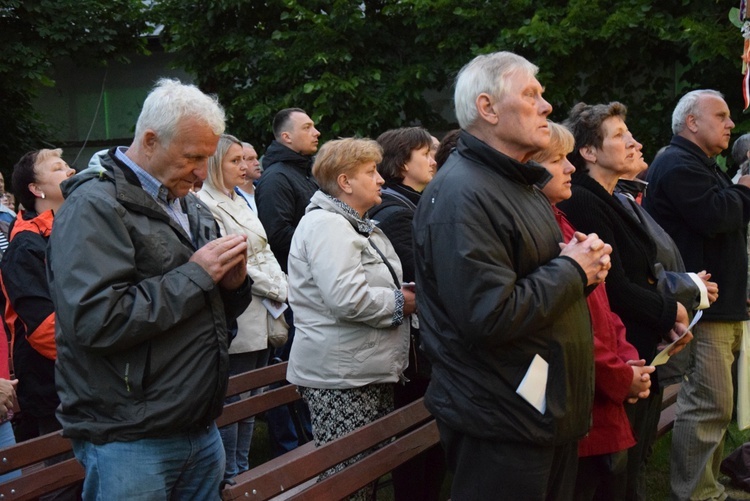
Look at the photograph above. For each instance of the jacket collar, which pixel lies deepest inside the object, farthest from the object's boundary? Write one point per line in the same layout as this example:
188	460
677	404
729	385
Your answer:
130	194
474	148
238	210
278	153
321	200
29	220
694	149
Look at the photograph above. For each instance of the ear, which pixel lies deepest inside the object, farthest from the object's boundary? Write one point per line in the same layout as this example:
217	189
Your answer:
149	142
344	185
33	188
484	104
588	153
286	138
691	123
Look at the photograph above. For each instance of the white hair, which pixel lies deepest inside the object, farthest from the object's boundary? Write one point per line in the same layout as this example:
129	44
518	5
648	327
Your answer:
170	101
485	74
688	105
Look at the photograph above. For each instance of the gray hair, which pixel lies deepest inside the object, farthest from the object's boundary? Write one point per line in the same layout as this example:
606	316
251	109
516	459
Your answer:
215	177
485	74
687	105
170	101
740	148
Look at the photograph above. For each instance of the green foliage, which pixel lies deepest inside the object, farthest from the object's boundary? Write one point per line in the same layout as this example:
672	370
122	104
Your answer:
36	33
357	67
360	67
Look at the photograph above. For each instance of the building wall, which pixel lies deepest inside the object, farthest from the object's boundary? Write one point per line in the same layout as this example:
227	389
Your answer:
90	109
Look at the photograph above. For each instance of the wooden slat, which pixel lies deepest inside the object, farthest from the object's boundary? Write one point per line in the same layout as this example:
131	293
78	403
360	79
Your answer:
256	404
257	378
276	477
33	451
373	466
33	485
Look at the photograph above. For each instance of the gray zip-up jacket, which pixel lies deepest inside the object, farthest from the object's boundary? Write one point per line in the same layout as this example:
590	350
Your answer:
141	331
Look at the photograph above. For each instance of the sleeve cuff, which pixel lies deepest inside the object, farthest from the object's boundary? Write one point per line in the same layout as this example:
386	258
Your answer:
703	291
398	312
584	278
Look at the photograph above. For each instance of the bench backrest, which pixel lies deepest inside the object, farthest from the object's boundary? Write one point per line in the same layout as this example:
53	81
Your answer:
300	465
46	479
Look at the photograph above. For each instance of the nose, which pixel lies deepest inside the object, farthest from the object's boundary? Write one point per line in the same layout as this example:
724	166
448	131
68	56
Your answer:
71	172
380	181
315	132
544	107
201	169
433	163
568	168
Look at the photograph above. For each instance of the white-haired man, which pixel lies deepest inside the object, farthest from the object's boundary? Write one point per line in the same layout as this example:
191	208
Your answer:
707	216
142	290
502	308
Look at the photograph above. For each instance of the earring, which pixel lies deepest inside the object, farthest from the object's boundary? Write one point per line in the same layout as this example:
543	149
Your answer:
43	197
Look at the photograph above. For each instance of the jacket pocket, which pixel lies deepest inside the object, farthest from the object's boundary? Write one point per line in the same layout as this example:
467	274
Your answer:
132	367
368	347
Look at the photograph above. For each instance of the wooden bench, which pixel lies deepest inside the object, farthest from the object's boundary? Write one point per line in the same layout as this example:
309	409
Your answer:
668	410
411	430
38	479
406	432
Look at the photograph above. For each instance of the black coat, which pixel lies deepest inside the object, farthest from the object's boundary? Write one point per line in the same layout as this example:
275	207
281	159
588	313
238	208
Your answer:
647	313
493	293
282	195
707	217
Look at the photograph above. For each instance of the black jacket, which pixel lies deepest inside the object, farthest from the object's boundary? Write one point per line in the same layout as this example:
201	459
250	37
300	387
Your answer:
493	293
707	217
25	288
394	215
282	195
141	331
647	313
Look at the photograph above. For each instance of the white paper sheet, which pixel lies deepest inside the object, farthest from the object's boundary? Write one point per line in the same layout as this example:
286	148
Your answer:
663	355
533	387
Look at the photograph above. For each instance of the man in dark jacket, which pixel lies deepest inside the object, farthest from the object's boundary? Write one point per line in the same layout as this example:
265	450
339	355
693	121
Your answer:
502	309
707	216
143	291
282	195
284	190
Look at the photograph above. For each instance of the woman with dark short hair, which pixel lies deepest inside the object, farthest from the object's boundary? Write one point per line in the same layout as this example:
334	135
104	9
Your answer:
407	167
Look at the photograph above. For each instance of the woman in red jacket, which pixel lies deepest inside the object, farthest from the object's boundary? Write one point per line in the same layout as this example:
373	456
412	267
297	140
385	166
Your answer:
619	375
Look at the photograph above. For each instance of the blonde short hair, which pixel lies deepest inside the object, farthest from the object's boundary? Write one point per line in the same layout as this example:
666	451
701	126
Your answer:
343	156
561	142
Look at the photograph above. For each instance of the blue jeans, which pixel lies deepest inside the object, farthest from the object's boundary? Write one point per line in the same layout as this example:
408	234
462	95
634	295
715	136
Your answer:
6	439
184	466
237	437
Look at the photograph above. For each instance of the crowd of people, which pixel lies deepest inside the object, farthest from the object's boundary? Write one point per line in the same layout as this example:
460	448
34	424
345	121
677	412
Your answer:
469	271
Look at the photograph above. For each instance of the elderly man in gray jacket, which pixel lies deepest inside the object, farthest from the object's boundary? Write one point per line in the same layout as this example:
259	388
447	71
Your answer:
143	290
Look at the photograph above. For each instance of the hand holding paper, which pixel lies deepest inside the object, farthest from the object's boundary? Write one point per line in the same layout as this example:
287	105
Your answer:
664	354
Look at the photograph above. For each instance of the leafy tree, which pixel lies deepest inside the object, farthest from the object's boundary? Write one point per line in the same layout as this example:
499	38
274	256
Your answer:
360	67
354	66
36	33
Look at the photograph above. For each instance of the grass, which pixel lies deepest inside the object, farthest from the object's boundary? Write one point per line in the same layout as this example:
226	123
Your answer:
657	477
